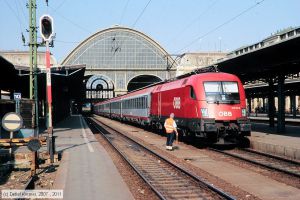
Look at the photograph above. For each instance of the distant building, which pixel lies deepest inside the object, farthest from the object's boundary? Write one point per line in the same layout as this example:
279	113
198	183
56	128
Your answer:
21	58
191	61
279	36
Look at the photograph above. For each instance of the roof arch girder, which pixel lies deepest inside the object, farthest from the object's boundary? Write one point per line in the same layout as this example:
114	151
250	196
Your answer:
119	48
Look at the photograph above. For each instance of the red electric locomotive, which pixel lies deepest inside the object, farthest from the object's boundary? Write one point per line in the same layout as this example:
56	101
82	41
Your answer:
209	105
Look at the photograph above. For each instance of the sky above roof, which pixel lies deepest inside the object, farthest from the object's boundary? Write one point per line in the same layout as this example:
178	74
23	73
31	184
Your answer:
178	26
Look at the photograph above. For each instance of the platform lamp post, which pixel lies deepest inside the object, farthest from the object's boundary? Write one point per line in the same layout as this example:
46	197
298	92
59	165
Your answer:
46	29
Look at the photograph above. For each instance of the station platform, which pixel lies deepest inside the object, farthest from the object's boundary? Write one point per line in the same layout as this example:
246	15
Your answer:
266	139
86	170
265	118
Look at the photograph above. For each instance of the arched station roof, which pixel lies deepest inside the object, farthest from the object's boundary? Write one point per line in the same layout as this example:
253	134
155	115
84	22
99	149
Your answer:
119	48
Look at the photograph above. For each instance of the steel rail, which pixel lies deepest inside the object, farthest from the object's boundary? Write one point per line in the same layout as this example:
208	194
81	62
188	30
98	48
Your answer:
184	171
29	184
269	166
272	156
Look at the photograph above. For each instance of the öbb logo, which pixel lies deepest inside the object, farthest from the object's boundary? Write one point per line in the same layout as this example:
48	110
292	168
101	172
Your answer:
225	114
176	103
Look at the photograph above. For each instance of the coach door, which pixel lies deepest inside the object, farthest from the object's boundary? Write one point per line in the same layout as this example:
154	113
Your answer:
159	105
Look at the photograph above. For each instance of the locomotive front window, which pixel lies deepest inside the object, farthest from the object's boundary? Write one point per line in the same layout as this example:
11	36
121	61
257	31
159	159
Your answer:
222	92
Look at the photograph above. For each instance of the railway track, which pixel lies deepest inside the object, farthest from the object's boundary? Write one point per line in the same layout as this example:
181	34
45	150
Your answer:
165	178
272	162
30	183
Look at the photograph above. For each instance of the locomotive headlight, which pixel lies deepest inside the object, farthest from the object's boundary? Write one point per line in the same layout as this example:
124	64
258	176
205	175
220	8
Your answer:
204	112
244	112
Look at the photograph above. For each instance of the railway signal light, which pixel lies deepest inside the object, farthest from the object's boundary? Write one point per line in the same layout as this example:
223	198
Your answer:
46	27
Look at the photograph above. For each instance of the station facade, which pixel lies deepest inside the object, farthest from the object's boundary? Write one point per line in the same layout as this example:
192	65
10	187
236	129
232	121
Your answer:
21	58
119	60
191	61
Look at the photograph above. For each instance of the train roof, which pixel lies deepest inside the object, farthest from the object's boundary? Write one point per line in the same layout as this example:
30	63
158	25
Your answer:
180	81
193	79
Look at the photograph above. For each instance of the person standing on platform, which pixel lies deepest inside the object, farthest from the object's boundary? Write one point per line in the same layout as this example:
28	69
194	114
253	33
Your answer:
171	129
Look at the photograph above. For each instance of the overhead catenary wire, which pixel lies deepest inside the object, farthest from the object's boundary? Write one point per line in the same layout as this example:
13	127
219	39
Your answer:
22	5
70	21
123	12
20	10
221	25
67	42
141	14
60	5
15	14
194	20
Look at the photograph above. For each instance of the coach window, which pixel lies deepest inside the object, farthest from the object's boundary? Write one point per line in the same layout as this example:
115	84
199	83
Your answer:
146	102
140	103
192	93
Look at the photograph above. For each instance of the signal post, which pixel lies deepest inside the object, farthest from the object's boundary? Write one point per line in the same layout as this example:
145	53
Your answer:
46	29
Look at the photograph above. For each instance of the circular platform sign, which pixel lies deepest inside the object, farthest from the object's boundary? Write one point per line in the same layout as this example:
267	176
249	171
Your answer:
12	121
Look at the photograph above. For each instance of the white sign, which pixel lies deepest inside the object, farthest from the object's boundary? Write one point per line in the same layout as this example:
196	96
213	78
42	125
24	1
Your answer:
12	121
17	96
225	114
176	103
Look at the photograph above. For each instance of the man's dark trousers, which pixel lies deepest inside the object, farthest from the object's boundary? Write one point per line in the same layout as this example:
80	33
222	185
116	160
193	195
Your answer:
170	138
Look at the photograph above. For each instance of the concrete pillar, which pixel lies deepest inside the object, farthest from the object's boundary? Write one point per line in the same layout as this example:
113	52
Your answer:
293	105
281	105
271	103
264	104
249	105
288	105
276	104
297	102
